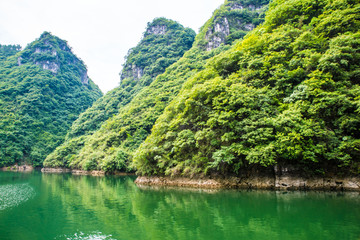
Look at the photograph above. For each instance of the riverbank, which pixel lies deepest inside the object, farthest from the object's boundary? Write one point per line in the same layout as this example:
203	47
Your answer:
18	168
82	172
278	178
284	178
73	171
288	183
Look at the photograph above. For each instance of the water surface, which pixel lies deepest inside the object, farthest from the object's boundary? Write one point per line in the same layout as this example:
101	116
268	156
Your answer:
63	206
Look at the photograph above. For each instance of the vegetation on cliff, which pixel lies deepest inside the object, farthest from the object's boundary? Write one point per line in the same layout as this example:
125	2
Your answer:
287	94
111	147
43	89
7	51
231	21
163	43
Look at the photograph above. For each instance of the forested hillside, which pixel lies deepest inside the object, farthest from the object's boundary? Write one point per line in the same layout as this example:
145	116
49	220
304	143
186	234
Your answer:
7	51
163	43
111	147
288	94
43	89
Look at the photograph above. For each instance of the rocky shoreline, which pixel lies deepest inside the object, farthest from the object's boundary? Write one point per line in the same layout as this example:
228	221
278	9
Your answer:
81	172
284	178
277	178
73	171
283	183
18	168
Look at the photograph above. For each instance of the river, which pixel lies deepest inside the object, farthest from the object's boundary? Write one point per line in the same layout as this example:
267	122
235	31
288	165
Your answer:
63	206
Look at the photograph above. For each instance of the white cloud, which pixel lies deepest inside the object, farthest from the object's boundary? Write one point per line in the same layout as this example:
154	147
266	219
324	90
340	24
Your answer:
99	31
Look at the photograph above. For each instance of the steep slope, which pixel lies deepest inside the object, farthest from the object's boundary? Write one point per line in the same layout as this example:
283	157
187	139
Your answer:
287	95
163	43
232	21
43	89
8	50
111	147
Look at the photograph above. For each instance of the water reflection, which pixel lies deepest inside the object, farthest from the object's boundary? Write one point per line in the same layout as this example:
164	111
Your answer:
164	213
110	207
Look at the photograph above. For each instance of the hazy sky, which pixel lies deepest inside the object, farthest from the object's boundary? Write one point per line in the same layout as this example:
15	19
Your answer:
100	32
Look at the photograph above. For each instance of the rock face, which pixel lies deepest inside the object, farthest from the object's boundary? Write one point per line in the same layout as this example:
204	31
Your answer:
156	30
46	50
84	78
19	61
135	73
218	34
231	20
48	65
46	55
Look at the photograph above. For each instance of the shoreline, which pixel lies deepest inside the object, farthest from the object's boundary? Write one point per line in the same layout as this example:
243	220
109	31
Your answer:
18	168
256	182
281	179
83	172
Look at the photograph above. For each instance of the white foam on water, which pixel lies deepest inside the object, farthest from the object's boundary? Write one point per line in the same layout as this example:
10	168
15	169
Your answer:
12	195
91	236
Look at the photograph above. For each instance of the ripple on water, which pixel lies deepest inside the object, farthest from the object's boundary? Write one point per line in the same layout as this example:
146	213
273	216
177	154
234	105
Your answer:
12	195
91	236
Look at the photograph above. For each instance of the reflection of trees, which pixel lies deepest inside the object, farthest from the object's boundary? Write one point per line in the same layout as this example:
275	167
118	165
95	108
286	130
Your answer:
114	205
195	215
96	203
181	214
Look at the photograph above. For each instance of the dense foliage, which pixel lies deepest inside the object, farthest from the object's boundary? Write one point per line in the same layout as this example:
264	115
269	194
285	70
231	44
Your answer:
163	43
112	146
287	94
8	50
43	89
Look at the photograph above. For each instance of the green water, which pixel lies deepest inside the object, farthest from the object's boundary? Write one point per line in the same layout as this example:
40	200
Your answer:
62	206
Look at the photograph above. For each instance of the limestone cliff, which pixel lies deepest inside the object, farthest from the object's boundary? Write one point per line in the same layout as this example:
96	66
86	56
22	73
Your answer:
150	57
232	21
53	54
158	29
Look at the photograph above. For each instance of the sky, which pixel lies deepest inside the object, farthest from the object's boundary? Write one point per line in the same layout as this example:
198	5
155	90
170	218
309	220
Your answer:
100	32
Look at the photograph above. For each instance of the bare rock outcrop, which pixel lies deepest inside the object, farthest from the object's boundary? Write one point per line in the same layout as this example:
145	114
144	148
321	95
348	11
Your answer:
224	24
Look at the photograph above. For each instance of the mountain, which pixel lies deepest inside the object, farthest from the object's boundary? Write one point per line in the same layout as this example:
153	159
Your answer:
287	95
43	89
162	44
111	147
